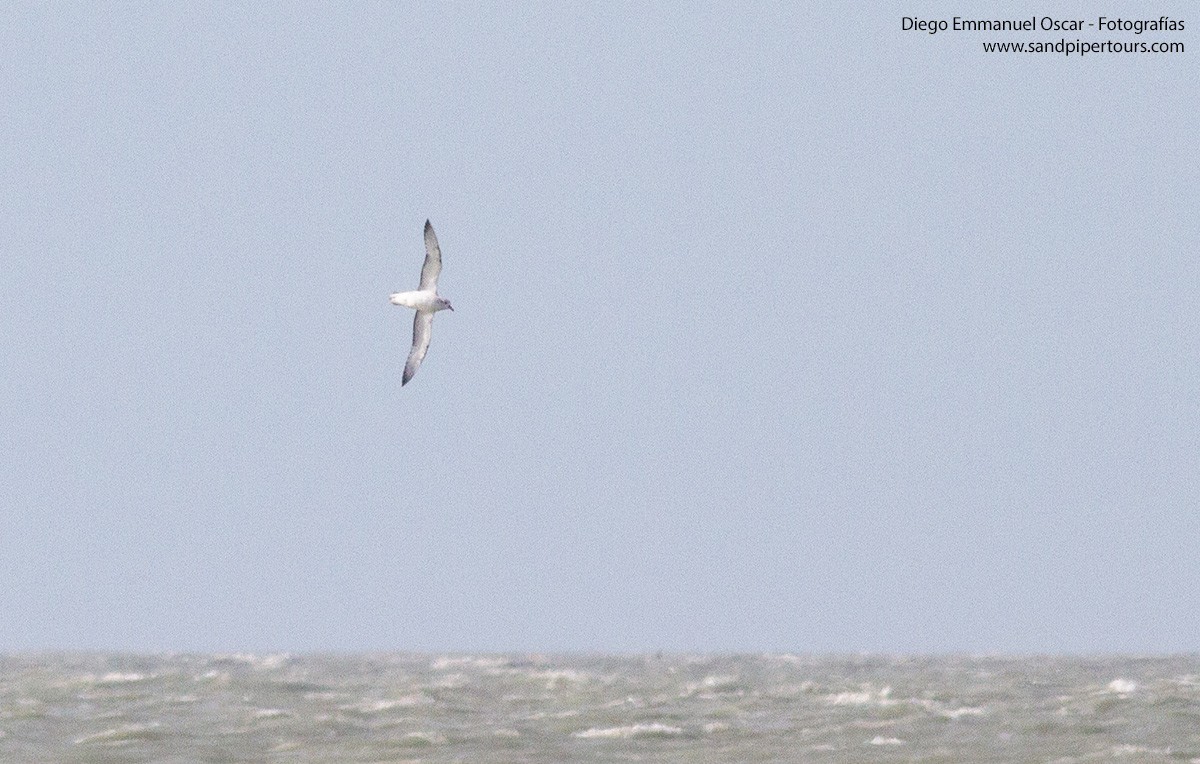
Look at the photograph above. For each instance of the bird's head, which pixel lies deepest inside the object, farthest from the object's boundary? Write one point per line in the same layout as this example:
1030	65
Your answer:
445	303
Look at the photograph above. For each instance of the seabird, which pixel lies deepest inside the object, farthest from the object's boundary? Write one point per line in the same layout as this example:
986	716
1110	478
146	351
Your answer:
425	301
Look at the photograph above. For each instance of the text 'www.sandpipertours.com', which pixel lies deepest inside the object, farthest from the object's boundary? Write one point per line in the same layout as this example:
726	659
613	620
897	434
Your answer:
1082	48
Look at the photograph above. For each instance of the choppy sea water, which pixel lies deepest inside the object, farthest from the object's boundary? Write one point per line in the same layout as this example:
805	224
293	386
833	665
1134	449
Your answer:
179	709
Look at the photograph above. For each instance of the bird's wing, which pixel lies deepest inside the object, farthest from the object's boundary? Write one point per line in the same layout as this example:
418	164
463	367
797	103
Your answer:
433	261
422	331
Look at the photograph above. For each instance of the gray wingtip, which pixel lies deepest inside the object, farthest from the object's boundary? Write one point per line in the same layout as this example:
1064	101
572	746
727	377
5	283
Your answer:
428	226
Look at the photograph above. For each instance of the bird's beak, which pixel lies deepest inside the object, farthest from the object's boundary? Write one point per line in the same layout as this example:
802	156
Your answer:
451	307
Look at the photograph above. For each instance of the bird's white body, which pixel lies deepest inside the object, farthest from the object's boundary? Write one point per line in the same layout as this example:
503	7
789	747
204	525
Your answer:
419	299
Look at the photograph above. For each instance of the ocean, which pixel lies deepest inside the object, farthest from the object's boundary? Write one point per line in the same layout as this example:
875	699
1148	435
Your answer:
180	709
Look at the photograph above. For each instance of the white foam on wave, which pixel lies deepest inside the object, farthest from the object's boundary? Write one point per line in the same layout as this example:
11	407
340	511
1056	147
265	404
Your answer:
423	739
271	713
121	735
654	729
272	661
379	705
794	660
567	714
958	713
1122	686
631	701
863	698
1137	750
710	686
212	675
880	740
265	662
555	678
116	677
467	661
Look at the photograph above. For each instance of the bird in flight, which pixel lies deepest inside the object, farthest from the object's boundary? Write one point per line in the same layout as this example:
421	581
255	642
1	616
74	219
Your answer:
426	301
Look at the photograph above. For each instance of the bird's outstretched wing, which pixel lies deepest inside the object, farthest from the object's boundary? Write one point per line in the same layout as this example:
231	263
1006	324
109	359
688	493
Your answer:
422	331
433	261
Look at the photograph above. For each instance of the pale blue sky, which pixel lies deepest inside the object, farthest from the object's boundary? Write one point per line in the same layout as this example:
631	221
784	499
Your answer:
777	328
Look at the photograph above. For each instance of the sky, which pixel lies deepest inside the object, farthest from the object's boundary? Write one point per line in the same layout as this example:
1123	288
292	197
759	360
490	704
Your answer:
778	328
